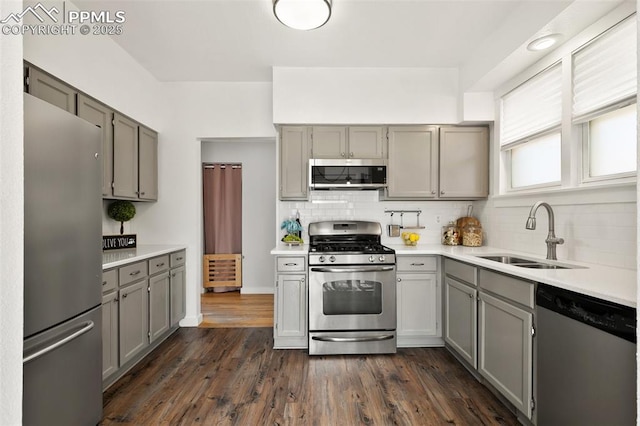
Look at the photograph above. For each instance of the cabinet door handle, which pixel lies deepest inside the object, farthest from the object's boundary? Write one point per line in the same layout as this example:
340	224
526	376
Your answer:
302	279
433	192
399	279
470	296
351	154
342	154
134	273
104	283
142	193
116	300
173	275
124	295
442	192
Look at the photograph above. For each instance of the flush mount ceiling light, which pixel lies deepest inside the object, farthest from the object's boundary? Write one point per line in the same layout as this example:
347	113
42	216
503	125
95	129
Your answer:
544	42
302	14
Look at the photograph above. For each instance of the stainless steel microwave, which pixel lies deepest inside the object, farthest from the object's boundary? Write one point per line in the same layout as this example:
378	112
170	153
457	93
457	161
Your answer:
347	174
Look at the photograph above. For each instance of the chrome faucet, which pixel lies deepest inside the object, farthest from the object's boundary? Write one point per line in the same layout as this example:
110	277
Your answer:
552	241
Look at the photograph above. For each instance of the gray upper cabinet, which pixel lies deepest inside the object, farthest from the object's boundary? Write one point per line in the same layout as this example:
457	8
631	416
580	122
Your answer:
147	164
361	142
50	89
125	157
464	162
102	116
413	162
367	142
295	149
329	142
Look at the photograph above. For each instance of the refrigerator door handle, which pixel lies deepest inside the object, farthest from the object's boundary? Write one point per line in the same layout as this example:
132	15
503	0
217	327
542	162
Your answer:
87	326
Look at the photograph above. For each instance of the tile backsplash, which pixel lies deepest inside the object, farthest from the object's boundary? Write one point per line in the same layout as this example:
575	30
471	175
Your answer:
367	205
595	233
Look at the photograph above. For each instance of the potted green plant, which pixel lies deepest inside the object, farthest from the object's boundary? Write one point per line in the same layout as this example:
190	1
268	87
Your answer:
121	211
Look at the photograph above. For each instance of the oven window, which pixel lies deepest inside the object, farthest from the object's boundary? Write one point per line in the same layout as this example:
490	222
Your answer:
352	297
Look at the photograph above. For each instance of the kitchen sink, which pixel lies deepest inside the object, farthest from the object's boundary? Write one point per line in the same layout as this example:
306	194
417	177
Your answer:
526	263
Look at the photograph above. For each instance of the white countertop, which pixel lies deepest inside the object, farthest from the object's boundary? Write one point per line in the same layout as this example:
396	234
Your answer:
113	258
604	282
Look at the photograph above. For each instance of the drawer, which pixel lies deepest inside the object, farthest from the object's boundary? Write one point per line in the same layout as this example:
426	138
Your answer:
511	288
461	271
416	263
109	280
291	264
133	272
158	264
178	258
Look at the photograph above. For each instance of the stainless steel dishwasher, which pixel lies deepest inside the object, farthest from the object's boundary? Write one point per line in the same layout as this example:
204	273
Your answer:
586	360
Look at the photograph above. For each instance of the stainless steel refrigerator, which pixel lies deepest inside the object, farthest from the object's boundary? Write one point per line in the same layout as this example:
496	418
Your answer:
62	267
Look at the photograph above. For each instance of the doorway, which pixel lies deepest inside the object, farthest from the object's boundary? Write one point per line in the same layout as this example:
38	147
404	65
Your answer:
222	213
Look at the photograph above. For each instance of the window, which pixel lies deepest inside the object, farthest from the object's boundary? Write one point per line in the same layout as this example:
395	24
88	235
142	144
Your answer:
593	139
537	162
612	140
604	84
530	135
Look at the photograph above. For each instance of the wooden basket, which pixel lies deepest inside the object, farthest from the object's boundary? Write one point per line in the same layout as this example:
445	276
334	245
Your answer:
222	270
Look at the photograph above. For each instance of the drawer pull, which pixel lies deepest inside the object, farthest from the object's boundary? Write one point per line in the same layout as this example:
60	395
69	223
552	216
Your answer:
160	265
417	264
179	258
134	273
290	264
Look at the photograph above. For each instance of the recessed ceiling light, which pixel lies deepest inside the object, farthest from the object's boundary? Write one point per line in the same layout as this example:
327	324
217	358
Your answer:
544	42
302	14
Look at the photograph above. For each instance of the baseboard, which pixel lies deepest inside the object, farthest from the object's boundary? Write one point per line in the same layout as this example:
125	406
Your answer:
257	290
191	321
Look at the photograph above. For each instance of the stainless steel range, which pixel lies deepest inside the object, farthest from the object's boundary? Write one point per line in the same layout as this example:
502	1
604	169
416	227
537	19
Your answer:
352	289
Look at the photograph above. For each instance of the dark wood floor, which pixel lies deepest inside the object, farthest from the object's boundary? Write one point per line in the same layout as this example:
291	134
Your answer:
216	376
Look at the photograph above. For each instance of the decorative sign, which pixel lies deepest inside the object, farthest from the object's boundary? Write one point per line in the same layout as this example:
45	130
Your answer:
114	242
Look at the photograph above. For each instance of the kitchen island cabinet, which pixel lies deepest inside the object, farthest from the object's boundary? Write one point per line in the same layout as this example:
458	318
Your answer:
143	302
290	311
418	300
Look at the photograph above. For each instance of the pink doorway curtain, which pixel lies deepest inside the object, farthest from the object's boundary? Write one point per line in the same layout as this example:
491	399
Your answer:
222	204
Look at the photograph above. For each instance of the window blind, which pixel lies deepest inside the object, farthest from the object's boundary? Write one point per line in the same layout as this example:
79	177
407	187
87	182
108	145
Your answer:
532	107
605	70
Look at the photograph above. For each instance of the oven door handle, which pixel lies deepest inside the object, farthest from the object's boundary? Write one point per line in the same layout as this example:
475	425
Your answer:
353	339
365	269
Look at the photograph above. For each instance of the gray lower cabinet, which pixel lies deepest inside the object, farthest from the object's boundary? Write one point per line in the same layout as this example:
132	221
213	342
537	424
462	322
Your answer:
110	323
50	89
290	313
505	337
142	304
159	297
418	299
134	320
461	321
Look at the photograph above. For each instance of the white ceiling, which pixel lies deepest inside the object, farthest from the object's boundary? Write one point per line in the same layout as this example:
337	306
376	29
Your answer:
240	40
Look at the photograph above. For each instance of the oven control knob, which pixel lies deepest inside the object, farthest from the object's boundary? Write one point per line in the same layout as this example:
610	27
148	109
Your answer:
381	258
321	259
332	259
372	259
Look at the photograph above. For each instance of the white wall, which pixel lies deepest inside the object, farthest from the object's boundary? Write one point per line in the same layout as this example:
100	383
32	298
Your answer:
11	224
258	206
365	95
